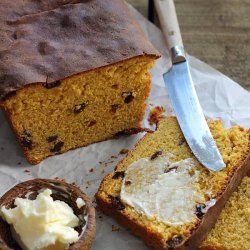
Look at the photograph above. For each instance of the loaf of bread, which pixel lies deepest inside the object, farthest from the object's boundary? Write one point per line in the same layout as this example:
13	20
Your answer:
71	72
163	195
232	229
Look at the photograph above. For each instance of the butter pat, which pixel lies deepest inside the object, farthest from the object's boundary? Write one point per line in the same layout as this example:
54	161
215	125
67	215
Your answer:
162	190
42	223
80	202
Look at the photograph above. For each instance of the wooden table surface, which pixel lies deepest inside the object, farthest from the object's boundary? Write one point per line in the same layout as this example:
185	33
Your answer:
217	32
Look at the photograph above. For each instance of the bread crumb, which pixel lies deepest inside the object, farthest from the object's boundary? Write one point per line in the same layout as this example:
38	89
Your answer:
115	229
123	151
155	114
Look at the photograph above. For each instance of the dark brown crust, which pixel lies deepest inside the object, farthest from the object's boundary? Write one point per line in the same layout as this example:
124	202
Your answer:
207	222
86	239
86	35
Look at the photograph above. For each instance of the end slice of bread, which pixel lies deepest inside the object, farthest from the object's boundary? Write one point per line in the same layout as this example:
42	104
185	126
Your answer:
232	229
234	145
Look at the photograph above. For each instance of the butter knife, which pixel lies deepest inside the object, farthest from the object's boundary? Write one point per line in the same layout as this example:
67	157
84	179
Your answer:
181	91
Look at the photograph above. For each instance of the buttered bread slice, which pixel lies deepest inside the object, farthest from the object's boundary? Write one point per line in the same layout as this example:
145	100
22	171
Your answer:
162	193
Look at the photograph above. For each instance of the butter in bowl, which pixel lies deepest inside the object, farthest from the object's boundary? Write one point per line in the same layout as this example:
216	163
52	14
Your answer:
45	214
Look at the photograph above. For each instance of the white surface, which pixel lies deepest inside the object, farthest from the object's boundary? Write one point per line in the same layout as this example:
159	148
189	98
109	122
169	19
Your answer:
220	98
163	189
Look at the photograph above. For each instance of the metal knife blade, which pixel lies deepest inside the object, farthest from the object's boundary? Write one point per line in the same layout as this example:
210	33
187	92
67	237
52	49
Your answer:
182	93
191	119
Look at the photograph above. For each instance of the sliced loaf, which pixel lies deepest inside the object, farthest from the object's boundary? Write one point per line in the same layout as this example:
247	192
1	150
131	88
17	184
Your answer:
174	220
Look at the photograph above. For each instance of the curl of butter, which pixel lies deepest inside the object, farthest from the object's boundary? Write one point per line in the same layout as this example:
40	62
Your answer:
42	223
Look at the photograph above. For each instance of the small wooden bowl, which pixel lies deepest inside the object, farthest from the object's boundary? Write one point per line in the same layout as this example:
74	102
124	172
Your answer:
60	191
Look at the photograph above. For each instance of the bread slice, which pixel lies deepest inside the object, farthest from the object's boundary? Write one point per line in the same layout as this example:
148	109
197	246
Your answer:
71	72
234	145
232	229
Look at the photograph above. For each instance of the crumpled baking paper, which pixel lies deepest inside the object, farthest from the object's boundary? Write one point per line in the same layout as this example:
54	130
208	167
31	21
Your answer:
220	97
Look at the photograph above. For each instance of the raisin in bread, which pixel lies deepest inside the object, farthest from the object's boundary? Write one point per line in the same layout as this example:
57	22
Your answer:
232	229
71	72
163	195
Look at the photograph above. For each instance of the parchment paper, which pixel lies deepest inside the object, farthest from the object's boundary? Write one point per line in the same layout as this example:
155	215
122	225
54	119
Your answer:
220	98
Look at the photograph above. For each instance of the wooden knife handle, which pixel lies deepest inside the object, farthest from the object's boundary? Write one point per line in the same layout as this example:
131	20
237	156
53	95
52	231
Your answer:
170	27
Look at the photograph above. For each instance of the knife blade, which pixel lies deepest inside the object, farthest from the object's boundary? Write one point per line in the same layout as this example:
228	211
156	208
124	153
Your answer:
183	97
